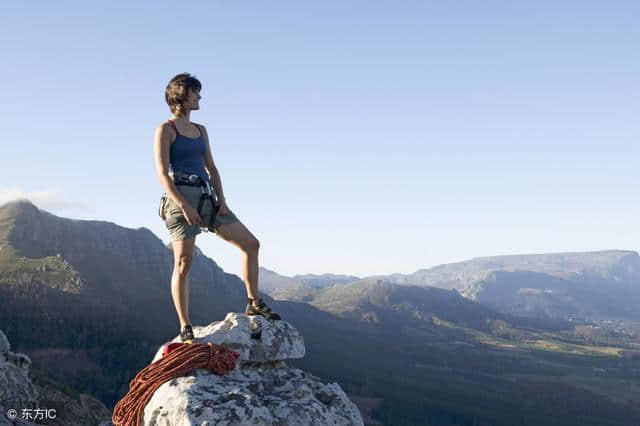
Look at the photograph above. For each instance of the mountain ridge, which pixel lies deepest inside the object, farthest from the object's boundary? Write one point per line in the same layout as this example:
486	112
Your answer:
459	274
439	356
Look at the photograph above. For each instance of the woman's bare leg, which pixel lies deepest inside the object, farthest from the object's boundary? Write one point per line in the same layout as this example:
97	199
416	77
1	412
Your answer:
182	259
238	235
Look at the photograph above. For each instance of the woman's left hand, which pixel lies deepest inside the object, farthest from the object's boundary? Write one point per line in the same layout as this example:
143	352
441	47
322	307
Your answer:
224	209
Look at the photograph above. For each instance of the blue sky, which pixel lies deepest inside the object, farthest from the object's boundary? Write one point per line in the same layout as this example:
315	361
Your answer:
352	137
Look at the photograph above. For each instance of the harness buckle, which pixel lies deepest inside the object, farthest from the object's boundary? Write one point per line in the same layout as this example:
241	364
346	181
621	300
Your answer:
206	188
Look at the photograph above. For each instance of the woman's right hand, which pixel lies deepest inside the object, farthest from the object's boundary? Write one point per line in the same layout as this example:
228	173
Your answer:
191	214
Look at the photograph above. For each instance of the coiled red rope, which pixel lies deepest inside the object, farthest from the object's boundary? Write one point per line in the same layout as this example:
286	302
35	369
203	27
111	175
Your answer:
129	411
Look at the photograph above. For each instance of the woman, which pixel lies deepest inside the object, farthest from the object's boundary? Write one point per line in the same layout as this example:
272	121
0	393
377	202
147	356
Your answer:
187	173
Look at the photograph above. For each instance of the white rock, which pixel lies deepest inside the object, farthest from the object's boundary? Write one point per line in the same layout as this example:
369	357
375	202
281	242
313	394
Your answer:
279	339
261	390
16	388
256	394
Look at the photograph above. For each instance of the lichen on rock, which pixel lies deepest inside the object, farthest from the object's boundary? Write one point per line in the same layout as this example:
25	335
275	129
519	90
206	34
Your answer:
261	390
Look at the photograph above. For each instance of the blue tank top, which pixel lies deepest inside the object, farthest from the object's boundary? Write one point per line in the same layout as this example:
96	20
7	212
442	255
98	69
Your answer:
186	154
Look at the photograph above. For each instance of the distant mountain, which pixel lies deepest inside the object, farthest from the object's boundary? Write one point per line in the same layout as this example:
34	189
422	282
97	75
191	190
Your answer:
602	283
296	293
97	259
394	305
542	295
270	281
382	302
611	265
298	287
325	280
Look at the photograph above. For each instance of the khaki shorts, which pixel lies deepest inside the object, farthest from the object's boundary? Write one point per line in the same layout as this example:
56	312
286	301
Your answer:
181	230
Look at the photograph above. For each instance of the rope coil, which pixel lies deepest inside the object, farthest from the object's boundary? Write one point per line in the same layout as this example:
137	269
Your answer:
129	411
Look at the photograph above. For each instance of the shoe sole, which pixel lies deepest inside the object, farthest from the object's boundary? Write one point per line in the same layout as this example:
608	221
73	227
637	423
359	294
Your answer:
269	318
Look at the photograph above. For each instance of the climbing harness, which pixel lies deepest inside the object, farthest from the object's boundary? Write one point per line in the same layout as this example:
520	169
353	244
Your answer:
184	179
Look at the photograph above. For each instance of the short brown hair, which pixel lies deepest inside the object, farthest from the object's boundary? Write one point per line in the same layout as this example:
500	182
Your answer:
177	90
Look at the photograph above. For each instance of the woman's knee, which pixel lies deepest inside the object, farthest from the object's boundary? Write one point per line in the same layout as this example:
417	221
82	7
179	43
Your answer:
183	255
252	245
183	264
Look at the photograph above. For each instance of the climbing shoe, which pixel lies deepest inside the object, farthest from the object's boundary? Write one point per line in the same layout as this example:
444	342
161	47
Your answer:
186	335
261	309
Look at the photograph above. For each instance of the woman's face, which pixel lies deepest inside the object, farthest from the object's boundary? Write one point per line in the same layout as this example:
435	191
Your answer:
193	99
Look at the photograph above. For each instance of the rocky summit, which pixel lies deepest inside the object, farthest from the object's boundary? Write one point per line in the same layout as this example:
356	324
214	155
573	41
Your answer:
24	402
261	390
16	388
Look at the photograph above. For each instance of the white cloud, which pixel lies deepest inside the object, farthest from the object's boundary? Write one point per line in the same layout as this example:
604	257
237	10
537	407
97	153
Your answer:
46	200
